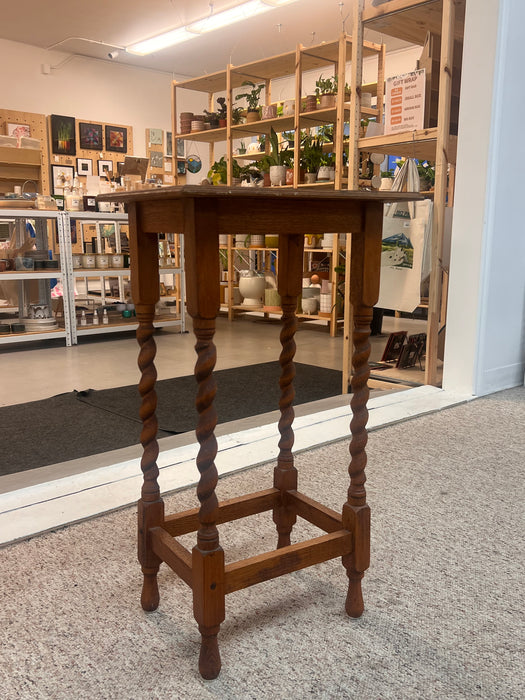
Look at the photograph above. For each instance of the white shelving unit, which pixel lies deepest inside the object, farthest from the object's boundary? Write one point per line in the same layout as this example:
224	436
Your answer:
69	276
41	219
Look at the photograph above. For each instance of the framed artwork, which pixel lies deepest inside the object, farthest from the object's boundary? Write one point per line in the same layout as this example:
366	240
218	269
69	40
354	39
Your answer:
60	174
193	163
84	166
90	136
18	130
116	139
155	137
181	167
63	140
169	143
393	347
156	159
105	167
180	148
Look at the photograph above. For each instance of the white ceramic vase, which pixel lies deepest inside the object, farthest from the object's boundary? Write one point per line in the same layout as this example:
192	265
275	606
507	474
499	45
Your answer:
252	287
277	175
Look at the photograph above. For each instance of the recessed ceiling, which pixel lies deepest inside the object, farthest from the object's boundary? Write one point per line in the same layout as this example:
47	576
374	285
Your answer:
68	27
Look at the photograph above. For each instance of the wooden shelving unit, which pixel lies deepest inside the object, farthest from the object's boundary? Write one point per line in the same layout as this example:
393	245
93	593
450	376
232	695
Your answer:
332	59
412	21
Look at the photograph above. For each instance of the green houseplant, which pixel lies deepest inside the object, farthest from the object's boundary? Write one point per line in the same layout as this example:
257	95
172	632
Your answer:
252	98
311	156
222	111
325	90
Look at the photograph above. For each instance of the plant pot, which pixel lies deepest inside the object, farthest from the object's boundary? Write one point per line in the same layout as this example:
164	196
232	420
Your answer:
223	239
309	305
277	175
236	181
222	122
324	173
311	103
266	180
252	290
289	176
269	111
327	101
309	178
252	115
386	183
288	108
256	240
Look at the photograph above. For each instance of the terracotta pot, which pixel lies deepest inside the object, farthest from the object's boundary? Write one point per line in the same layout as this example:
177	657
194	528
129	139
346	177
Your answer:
222	122
289	176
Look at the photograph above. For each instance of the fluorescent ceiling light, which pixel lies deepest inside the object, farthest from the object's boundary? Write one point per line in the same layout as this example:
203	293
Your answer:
161	41
214	21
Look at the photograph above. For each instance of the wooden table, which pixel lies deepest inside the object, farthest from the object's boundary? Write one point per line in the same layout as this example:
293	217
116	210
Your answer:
201	214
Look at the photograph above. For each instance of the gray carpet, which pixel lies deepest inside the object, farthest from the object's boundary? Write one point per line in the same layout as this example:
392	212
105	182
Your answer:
443	595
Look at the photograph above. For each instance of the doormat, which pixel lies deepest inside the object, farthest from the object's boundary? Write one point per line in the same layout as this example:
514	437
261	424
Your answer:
82	423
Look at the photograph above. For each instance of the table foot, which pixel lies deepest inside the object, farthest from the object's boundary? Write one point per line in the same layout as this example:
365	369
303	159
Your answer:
149	598
209	658
354	605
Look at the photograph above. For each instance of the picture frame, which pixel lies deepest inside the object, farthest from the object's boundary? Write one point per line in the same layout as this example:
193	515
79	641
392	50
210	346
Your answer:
155	137
84	166
63	140
59	174
116	139
156	159
18	130
104	167
90	136
181	167
393	347
169	143
180	148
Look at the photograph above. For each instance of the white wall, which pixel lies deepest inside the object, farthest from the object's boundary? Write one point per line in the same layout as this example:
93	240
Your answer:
485	347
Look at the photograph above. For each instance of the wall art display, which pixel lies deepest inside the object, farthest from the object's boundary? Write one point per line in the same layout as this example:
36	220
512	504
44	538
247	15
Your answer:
169	143
180	148
90	136
155	137
181	167
193	163
116	139
63	140
18	130
156	159
105	167
60	174
84	166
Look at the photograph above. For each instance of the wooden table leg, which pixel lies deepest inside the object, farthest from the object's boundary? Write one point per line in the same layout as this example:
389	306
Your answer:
202	269
145	293
289	287
366	257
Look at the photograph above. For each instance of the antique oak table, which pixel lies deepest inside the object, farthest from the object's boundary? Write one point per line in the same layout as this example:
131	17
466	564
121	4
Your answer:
201	214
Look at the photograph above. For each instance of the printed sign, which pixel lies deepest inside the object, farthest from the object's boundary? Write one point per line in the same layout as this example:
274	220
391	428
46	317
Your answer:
405	102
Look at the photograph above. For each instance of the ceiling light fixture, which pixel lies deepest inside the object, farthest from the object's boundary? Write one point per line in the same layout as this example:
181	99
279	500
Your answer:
214	21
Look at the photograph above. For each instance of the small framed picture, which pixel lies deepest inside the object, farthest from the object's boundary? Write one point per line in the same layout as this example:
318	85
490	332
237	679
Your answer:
155	137
63	141
90	136
169	143
180	148
60	174
181	167
84	166
18	130
116	139
105	167
156	159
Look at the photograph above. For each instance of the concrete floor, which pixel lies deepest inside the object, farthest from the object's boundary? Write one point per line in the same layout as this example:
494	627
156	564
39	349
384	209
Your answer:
34	371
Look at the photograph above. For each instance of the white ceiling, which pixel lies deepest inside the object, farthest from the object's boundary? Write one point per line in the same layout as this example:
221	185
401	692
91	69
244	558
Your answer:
119	23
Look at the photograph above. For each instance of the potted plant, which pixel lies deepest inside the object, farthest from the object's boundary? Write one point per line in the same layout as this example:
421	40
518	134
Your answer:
237	115
325	90
222	112
427	175
387	179
218	173
327	168
277	160
252	98
212	119
311	155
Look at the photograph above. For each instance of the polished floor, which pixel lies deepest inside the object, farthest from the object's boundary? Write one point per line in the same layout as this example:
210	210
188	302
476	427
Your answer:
33	371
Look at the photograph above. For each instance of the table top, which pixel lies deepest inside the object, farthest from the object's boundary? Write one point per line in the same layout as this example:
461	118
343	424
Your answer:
271	193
